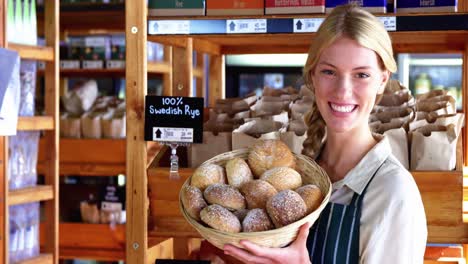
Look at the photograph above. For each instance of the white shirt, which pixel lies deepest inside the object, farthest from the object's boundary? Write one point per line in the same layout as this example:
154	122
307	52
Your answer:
393	222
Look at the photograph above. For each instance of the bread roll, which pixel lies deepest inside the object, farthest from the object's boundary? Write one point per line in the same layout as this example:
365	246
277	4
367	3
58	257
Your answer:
224	195
192	199
257	220
257	193
238	172
282	178
220	218
206	175
267	154
311	195
241	213
286	207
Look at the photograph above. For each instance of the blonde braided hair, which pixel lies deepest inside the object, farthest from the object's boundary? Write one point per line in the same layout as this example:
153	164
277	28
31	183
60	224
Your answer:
357	24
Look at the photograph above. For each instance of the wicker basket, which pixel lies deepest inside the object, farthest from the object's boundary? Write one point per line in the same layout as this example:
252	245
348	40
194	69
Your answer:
311	174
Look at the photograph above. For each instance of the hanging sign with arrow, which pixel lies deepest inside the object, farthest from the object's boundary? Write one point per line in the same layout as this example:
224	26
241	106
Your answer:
174	119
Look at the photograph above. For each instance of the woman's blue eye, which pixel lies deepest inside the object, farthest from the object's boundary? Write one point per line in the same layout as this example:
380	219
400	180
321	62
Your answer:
328	72
362	75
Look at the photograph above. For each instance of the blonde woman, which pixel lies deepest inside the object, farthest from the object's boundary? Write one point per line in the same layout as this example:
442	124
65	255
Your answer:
375	214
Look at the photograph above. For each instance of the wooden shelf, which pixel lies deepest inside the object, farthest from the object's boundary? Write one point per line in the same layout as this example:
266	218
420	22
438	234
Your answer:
33	52
90	241
92	157
31	194
154	68
35	123
41	259
100	18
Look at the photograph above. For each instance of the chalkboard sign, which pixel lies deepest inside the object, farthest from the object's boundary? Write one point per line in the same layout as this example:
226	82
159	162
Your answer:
174	261
174	119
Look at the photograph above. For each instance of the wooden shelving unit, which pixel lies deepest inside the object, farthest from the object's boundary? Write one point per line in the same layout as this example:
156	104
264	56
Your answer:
26	123
441	190
48	192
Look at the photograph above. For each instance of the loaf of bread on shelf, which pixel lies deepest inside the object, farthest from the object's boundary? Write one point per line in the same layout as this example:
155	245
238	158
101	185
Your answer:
207	174
311	195
224	195
257	220
257	193
282	178
267	154
193	202
238	172
220	218
286	207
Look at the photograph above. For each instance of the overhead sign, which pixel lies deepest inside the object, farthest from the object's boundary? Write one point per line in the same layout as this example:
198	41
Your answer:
174	119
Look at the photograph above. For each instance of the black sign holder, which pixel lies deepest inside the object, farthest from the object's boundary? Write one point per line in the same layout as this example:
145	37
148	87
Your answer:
174	121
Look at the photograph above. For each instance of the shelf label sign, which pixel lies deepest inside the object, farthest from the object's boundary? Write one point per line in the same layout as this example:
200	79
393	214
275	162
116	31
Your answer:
168	27
243	26
389	23
302	25
174	119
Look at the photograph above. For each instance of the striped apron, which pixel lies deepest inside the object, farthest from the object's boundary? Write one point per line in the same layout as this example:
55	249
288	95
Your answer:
334	237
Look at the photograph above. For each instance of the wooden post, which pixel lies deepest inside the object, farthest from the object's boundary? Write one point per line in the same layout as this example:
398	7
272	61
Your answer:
3	158
201	81
3	23
464	89
217	79
4	229
167	77
182	69
136	83
51	29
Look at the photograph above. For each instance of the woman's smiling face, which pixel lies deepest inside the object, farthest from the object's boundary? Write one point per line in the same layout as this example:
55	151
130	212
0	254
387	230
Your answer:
347	78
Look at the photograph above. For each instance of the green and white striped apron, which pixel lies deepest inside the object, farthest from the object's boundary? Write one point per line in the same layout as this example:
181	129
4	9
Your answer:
334	237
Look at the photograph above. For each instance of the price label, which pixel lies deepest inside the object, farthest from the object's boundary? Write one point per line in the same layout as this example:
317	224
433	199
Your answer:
389	23
174	119
246	26
169	27
173	134
307	24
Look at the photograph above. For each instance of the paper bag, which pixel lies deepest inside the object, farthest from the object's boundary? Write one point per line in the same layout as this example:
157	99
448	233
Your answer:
442	120
399	144
246	135
113	125
213	144
70	126
434	147
293	141
91	125
9	91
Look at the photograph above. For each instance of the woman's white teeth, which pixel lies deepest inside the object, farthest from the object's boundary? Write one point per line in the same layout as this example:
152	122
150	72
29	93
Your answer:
342	108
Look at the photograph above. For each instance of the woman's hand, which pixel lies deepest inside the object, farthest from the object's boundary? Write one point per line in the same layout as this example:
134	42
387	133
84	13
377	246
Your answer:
295	253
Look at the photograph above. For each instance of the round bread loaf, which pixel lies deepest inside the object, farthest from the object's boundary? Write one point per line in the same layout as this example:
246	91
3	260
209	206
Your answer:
286	207
192	199
224	195
267	154
220	218
238	172
257	193
311	195
206	175
241	213
257	220
282	178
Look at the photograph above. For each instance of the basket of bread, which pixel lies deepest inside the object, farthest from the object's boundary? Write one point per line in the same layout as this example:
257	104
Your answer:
262	194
